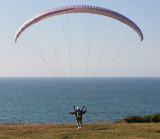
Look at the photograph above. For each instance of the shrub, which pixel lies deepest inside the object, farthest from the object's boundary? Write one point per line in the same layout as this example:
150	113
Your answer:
140	119
133	119
155	118
146	118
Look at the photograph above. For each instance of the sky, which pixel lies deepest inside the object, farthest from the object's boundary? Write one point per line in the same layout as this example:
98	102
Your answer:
143	61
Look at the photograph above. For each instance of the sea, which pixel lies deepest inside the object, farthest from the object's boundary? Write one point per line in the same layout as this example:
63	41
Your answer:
48	100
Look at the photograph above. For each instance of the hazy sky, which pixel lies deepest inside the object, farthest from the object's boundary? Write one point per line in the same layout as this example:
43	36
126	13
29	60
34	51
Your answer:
143	62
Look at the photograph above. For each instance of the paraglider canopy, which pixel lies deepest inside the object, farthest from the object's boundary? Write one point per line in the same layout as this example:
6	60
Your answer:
79	9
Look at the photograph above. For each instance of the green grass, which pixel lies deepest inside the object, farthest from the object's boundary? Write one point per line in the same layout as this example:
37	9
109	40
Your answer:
89	131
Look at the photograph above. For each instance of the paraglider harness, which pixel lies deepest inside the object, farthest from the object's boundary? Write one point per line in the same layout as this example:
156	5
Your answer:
78	113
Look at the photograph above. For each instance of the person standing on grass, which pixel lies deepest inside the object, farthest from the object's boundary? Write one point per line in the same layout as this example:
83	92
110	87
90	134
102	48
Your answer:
78	113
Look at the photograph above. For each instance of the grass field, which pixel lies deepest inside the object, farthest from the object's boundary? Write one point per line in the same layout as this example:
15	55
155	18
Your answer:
89	131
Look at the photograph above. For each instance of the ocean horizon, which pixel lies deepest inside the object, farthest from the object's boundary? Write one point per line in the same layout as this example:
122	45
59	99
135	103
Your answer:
48	100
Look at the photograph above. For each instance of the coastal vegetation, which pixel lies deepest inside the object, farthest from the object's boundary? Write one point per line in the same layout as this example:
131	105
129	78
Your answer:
128	127
154	118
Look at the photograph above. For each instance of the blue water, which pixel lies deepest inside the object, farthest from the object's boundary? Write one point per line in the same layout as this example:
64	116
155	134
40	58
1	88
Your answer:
48	100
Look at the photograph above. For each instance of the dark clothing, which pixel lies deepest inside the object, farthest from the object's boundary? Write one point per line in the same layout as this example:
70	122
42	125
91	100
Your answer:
78	114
